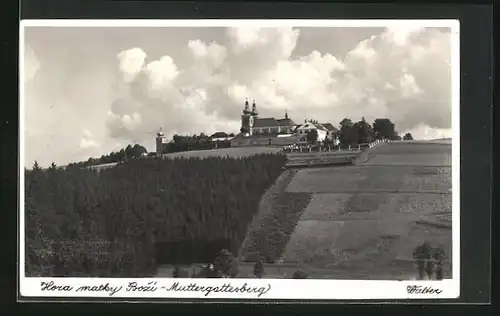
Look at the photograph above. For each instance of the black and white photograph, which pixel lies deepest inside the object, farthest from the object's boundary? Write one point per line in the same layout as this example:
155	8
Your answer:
240	149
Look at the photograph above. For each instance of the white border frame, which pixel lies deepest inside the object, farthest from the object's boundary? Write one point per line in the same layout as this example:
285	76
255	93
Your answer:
308	289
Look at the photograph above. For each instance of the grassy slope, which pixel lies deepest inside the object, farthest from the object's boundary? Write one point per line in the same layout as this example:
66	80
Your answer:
354	234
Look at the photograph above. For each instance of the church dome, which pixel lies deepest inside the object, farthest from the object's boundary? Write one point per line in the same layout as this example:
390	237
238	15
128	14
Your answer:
246	110
254	109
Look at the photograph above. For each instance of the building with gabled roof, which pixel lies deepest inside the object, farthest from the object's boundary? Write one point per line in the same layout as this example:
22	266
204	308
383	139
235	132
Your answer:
252	124
330	127
326	131
332	133
269	122
255	130
272	126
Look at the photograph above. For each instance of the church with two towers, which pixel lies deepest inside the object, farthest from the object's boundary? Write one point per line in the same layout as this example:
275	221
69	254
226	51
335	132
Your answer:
253	125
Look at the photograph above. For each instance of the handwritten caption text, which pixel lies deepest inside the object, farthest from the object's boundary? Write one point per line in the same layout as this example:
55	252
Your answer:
155	286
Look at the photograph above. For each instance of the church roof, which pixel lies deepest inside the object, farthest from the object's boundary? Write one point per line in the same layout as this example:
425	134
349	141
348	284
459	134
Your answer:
330	127
285	122
320	127
265	122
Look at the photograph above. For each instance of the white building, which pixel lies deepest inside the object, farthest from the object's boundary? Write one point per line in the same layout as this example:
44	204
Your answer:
304	129
326	131
161	141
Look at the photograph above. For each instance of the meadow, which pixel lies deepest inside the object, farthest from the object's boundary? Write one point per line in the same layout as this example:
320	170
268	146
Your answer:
364	221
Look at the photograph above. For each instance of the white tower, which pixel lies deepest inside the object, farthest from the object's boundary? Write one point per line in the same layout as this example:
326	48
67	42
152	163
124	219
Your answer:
160	140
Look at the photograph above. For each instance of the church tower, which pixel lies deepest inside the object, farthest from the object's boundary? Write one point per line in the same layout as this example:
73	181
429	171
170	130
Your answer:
246	120
246	110
254	113
160	140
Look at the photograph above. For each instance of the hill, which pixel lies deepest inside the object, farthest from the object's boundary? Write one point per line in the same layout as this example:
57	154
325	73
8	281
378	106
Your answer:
364	221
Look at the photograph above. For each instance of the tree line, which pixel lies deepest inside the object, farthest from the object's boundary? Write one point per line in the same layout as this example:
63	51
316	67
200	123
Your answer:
130	152
361	132
350	134
180	143
82	222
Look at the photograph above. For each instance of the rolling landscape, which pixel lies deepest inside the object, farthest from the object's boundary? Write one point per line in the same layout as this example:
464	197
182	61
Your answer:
355	222
265	152
336	220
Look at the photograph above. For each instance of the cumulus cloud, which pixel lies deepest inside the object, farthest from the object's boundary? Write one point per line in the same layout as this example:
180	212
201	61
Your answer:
401	34
130	63
86	143
401	73
425	132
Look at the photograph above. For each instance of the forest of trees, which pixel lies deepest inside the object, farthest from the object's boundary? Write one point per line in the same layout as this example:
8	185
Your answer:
82	222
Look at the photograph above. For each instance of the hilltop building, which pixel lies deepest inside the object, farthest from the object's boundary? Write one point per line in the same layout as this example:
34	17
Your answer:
257	131
326	131
252	124
332	133
161	141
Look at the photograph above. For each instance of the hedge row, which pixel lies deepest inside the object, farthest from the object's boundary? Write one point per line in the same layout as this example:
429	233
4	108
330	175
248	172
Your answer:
269	235
106	223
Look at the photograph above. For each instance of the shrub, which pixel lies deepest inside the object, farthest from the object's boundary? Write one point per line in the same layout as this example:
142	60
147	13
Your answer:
180	273
258	269
209	271
438	255
422	256
299	274
132	206
226	264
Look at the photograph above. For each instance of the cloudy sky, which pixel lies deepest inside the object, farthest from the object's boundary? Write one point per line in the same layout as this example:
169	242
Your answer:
90	90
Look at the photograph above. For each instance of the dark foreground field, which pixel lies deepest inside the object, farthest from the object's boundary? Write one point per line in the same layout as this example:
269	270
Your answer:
125	220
